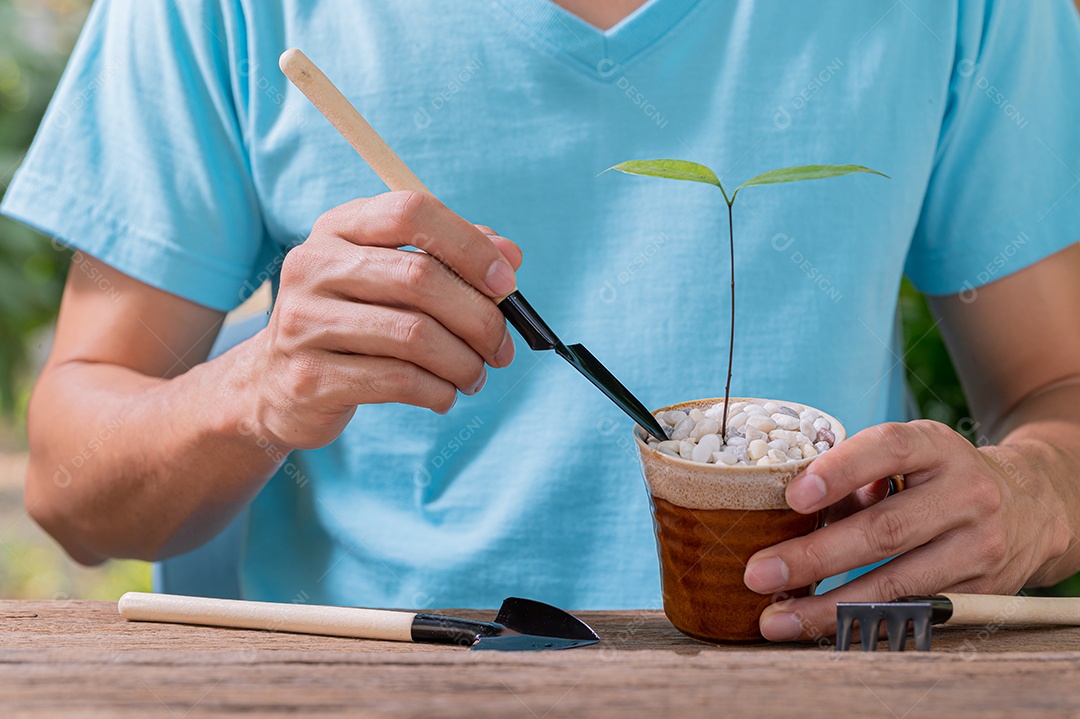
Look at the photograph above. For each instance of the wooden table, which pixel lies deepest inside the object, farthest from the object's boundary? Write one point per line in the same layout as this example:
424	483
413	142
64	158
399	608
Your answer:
74	658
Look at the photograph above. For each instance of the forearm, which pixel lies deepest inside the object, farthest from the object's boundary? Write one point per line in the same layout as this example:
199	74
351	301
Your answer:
1038	446
125	465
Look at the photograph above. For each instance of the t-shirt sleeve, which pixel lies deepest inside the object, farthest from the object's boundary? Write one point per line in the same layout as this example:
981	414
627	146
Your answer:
1005	188
141	160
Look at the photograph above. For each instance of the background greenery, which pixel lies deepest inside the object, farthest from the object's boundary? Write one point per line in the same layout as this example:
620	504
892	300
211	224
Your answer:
36	37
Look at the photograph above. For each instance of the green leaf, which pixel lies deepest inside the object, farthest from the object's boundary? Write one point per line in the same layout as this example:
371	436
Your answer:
669	169
803	172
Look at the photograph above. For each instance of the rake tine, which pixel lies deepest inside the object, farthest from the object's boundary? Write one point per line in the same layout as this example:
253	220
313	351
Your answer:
868	630
896	627
917	612
923	629
844	622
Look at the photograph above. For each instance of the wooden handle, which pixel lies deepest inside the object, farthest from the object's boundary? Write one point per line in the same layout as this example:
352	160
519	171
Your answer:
336	108
325	96
994	609
296	618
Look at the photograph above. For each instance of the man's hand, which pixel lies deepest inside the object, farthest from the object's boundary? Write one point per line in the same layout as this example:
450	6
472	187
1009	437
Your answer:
970	520
360	321
990	519
357	321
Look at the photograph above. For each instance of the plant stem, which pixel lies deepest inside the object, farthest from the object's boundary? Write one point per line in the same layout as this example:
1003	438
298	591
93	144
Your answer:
731	339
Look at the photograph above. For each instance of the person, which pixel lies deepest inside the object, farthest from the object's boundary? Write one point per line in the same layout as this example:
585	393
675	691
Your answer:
384	446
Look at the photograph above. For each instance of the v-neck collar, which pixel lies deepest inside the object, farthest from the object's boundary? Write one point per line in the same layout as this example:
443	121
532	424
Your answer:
596	51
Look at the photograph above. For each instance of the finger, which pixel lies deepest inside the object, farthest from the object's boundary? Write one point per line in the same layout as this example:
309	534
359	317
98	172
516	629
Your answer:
509	250
858	500
911	448
399	219
901	523
352	380
375	275
928	570
403	334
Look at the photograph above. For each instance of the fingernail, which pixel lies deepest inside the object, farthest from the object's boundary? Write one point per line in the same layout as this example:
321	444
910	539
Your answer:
767	575
500	278
479	383
806	492
452	405
781	627
505	355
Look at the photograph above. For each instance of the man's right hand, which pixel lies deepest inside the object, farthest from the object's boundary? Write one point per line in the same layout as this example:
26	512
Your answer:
139	447
360	321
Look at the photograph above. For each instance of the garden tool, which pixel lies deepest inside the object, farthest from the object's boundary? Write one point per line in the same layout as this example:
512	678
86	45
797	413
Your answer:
921	613
521	624
326	97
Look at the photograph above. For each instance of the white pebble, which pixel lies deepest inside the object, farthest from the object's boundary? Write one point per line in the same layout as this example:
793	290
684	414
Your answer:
777	456
771	407
784	421
821	446
779	444
757	449
704	427
741	454
697	415
787	435
674	416
765	461
701	453
809	414
712	441
822	423
686	449
764	423
737	420
716	411
683	428
724	458
808	450
752	433
737	441
752	409
670	445
807	427
794	453
784	409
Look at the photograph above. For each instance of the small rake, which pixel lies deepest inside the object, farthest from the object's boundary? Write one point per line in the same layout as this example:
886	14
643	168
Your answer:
922	613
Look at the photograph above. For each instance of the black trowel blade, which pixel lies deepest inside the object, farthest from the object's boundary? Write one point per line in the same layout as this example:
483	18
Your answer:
587	364
530	626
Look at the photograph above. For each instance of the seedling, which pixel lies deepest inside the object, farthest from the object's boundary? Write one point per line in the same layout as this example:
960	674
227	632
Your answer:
693	172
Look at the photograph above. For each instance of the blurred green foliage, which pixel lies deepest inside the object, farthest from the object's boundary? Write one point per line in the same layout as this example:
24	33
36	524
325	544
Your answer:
932	378
35	40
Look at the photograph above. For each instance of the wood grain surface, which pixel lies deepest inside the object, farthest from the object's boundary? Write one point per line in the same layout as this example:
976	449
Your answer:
74	659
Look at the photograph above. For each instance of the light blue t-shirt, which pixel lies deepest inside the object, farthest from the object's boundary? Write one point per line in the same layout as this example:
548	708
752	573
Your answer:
177	152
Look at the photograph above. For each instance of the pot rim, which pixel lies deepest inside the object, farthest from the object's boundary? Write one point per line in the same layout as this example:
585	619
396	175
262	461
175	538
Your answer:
643	447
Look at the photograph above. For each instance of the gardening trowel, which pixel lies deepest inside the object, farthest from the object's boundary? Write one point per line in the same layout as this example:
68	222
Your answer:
325	96
521	624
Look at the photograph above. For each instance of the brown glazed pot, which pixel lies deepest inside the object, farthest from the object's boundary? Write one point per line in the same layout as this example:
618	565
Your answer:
709	520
